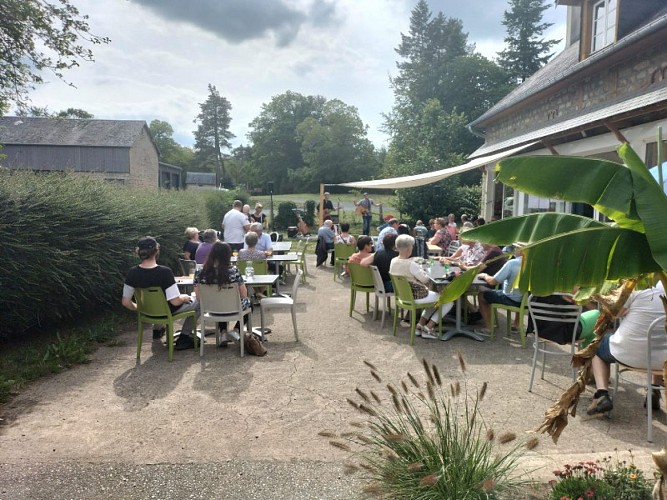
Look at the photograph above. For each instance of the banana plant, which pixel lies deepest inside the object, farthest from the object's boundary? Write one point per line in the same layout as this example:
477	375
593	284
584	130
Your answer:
566	251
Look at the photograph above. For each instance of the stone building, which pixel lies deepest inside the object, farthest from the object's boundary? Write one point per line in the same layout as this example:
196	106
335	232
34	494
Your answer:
115	150
608	86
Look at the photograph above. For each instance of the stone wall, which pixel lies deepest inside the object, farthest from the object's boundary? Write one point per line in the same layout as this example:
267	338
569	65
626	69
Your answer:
641	73
144	169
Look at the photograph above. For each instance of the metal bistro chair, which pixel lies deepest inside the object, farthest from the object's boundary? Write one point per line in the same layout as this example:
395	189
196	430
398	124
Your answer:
541	312
361	280
405	300
520	310
381	294
342	253
452	248
222	305
188	267
657	326
282	302
152	307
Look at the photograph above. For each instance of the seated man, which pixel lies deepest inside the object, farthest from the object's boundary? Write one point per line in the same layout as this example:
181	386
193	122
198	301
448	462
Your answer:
264	243
327	236
148	274
382	259
507	295
627	345
391	228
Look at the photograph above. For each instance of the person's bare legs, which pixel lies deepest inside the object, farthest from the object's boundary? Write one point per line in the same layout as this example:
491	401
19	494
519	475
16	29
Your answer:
601	373
601	401
485	310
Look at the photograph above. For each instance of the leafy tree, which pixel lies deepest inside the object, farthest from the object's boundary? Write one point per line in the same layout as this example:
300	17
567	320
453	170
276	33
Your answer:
276	148
170	151
526	51
334	149
75	113
212	134
39	35
43	112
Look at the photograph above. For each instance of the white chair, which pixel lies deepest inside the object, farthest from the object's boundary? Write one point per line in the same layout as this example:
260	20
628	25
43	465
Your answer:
282	302
452	248
657	327
541	313
219	306
381	294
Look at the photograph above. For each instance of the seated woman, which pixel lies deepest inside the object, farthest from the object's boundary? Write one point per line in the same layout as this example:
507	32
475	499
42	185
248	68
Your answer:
469	254
403	265
210	236
345	236
442	237
251	253
627	345
190	246
218	270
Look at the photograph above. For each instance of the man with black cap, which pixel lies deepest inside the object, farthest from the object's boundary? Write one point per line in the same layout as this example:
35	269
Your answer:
148	274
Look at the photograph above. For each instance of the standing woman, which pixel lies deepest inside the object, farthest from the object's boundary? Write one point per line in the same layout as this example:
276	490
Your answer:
218	270
403	265
190	246
452	227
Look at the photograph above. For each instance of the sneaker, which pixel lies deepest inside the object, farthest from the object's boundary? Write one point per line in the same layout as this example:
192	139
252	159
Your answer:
234	334
184	342
159	332
601	404
482	331
655	399
343	275
224	341
428	333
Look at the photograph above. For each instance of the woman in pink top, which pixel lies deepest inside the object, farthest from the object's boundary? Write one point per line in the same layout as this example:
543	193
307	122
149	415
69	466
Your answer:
452	227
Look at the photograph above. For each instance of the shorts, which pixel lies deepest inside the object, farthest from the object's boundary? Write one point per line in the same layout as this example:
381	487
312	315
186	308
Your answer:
603	352
498	297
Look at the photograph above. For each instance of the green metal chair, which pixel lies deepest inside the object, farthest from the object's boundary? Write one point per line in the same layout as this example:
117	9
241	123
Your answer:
301	263
521	310
153	308
342	253
405	300
260	267
361	280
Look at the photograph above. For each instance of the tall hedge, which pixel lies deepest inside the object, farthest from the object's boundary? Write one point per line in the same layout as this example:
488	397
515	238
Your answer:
68	241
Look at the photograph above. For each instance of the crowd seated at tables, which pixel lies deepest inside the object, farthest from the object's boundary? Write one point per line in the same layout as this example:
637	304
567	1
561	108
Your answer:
210	237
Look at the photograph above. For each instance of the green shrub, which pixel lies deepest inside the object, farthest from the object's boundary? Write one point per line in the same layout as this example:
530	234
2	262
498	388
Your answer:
285	217
309	208
423	438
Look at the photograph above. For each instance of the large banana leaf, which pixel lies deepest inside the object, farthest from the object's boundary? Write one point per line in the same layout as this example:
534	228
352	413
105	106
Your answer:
651	204
605	185
567	250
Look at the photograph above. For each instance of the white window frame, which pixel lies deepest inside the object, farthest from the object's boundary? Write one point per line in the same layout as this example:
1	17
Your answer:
607	34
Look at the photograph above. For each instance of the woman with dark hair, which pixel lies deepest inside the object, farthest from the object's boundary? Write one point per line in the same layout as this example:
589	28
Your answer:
218	270
345	236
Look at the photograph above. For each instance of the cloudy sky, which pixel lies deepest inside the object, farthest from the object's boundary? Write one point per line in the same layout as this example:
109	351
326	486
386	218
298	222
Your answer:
164	53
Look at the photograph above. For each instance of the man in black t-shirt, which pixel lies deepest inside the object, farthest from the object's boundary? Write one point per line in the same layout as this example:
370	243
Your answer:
148	274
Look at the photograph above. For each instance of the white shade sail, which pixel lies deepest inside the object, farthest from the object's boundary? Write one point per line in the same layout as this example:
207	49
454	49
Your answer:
431	177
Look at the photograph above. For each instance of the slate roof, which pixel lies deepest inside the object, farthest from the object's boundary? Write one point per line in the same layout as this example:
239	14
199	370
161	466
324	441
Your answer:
203	178
565	65
65	132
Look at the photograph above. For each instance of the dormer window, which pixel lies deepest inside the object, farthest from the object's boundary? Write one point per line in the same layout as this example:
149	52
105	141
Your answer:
603	17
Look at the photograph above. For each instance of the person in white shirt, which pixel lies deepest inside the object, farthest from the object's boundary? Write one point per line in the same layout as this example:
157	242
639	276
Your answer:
234	226
627	345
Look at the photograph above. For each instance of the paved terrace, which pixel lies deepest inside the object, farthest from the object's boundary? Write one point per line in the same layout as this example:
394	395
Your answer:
226	427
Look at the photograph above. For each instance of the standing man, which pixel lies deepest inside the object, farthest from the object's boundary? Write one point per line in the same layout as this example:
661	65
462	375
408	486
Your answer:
234	226
392	228
147	274
327	205
365	207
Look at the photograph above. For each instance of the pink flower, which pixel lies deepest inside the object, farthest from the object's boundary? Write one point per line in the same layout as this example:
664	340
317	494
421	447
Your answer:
590	493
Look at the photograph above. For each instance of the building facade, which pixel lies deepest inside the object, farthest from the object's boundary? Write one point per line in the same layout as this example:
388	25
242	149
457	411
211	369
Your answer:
607	87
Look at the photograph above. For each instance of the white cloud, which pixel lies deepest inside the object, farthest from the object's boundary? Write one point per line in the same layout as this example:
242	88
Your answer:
158	66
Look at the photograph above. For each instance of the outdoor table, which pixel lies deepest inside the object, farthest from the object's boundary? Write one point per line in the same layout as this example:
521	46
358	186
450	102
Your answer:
437	273
433	249
262	280
290	257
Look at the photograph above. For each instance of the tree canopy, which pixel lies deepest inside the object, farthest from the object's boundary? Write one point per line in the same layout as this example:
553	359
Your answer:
526	51
38	36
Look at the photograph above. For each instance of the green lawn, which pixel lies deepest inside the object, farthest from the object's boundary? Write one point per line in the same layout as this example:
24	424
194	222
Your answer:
388	200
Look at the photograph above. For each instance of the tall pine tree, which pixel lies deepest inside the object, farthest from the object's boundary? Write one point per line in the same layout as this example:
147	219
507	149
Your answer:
212	134
526	50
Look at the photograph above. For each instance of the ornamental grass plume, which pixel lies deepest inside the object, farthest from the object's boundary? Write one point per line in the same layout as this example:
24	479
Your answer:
429	446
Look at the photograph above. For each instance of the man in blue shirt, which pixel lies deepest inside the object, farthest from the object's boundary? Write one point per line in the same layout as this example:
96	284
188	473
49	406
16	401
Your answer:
507	295
327	236
392	228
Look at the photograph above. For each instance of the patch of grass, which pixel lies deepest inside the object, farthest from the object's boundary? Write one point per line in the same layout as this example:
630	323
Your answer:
426	438
27	359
